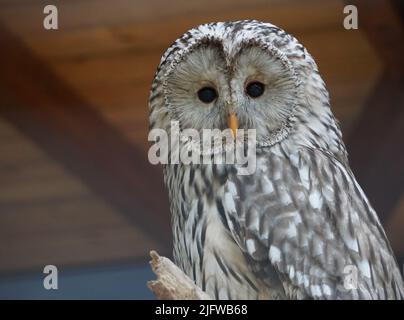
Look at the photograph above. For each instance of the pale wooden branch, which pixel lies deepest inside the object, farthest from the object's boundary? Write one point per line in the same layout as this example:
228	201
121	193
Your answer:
172	283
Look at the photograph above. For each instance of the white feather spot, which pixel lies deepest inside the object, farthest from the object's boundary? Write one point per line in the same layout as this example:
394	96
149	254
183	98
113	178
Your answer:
326	289
229	202
315	290
299	277
306	280
318	248
274	254
294	159
277	175
304	176
352	244
302	279
284	197
232	188
268	186
315	199
328	193
291	272
291	231
364	267
251	246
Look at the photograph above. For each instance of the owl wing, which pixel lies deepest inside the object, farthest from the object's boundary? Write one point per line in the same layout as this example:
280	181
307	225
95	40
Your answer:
305	217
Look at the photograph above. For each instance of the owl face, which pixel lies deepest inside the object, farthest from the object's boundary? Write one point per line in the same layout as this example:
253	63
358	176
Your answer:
248	69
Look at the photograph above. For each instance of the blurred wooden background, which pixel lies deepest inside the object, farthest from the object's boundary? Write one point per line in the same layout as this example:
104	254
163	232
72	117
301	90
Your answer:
75	185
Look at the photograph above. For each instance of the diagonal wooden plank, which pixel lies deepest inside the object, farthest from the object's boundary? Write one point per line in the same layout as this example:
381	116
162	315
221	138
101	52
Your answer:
376	146
382	24
375	143
37	102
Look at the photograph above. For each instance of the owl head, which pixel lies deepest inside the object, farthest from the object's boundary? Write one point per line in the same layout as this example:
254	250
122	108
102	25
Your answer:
250	72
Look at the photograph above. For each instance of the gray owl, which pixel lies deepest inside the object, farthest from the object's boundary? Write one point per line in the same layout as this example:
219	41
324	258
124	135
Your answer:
300	226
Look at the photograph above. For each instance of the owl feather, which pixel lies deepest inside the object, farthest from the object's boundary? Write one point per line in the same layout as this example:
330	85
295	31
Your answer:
300	226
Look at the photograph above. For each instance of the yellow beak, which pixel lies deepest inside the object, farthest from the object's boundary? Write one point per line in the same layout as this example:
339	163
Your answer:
232	122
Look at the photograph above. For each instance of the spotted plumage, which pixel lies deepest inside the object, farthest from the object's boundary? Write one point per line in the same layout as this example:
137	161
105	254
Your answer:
290	229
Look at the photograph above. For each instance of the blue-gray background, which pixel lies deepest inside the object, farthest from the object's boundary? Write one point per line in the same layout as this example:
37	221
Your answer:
108	282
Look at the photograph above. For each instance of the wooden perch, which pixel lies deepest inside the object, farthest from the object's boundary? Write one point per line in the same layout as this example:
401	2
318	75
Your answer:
172	283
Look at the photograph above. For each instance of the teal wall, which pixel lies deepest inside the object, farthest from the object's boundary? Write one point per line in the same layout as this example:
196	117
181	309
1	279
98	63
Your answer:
110	282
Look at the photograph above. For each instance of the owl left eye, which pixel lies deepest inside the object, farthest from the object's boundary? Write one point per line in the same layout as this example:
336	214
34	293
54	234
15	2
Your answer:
255	89
207	94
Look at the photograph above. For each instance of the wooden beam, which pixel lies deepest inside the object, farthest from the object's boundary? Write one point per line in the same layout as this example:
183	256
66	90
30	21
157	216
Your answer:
74	133
380	21
376	146
375	143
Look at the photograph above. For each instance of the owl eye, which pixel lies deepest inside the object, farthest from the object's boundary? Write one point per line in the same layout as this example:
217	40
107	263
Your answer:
255	89
207	94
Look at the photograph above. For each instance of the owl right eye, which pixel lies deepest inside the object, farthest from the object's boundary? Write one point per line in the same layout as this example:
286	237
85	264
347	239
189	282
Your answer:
207	94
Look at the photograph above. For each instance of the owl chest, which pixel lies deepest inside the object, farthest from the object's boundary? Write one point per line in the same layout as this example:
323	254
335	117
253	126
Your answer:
203	246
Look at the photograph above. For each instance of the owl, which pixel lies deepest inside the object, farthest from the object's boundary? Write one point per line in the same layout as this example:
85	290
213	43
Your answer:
299	226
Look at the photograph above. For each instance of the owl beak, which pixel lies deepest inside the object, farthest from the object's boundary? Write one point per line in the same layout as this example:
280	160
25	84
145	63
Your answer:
232	122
